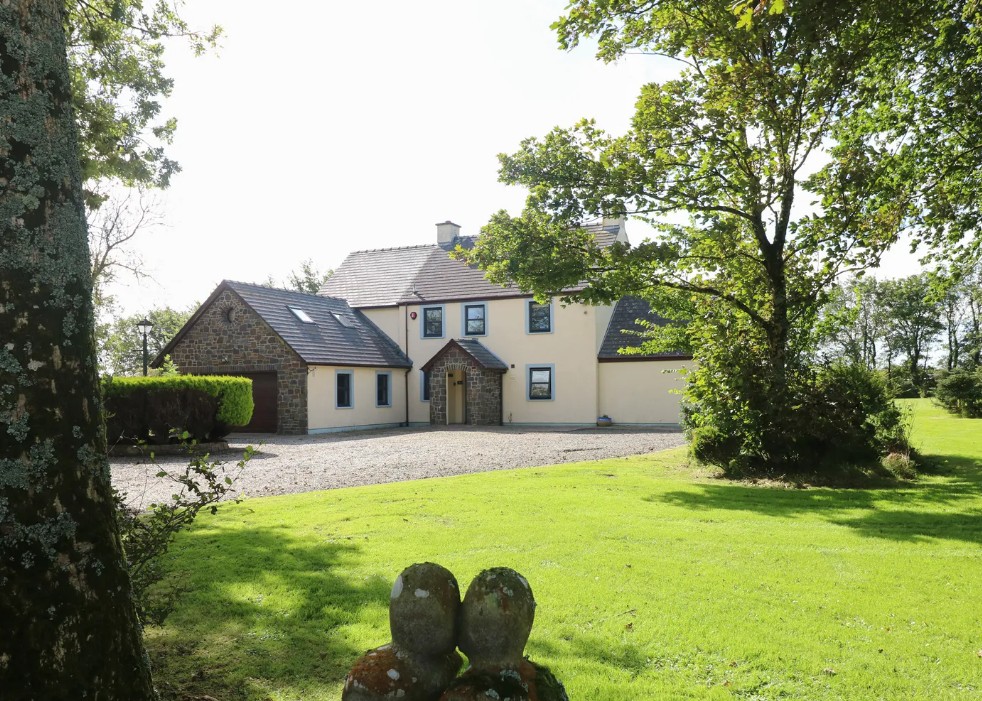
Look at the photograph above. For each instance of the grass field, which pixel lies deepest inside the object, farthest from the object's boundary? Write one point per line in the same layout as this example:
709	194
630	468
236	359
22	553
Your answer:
653	582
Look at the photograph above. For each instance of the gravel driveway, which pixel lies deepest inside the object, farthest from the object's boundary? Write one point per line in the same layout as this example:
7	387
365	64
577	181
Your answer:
293	464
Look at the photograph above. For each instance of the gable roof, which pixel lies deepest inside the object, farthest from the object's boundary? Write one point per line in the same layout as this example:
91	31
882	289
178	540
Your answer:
338	334
386	277
623	329
475	349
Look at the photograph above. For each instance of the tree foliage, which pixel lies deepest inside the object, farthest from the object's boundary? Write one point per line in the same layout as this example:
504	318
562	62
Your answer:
308	278
121	341
723	162
116	58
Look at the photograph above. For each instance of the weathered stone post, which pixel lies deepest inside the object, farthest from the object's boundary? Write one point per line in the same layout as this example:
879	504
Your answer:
421	660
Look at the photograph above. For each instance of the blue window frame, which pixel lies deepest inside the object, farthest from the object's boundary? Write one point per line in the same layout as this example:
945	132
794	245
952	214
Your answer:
540	382
424	386
383	389
432	322
538	317
475	319
344	386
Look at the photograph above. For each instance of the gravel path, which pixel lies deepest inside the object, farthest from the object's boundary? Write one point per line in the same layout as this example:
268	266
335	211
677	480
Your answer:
294	464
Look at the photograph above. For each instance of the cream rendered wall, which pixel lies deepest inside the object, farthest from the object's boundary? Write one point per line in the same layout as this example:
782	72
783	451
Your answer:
640	391
571	348
323	415
389	319
602	316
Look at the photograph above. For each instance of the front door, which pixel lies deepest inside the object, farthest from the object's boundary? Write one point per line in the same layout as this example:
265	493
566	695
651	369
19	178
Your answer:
456	397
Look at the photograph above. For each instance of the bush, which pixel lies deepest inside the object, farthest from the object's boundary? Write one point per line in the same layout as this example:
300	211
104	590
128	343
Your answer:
147	535
837	416
960	392
154	409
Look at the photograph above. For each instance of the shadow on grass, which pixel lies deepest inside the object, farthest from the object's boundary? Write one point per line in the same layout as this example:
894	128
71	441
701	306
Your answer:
947	506
261	611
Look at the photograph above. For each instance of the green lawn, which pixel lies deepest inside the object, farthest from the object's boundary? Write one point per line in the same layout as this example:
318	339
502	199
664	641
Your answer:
652	583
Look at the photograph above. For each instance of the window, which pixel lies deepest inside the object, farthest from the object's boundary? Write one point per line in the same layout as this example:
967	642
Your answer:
301	314
539	317
383	389
343	386
475	320
343	320
540	382
424	386
432	322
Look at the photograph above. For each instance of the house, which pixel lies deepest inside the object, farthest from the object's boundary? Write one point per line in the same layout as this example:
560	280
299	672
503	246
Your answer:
410	336
316	364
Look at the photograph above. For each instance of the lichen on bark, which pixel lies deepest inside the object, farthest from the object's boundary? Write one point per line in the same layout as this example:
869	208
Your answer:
62	579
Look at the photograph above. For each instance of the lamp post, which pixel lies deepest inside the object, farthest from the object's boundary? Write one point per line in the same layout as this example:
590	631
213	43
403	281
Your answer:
145	325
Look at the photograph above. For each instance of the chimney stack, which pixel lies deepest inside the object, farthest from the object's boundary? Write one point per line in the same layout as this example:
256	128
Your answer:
447	233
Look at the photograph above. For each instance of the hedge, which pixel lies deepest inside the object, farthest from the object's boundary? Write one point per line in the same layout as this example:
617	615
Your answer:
154	409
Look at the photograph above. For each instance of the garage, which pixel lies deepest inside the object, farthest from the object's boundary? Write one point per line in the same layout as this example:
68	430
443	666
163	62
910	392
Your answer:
265	397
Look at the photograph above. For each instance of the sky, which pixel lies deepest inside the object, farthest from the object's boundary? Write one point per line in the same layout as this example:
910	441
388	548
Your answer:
322	128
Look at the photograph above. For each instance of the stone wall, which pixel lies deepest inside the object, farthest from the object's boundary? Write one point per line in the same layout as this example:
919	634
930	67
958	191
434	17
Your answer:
229	338
483	390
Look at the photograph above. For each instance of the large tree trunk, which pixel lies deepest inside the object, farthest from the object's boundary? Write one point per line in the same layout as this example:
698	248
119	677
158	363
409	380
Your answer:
69	627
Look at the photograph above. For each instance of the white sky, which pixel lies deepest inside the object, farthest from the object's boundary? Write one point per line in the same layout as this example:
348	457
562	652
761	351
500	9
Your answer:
321	128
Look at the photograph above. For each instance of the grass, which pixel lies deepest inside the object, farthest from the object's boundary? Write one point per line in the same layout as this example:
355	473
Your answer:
652	581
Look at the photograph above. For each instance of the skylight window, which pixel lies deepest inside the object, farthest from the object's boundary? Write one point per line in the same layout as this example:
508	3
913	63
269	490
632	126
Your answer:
343	320
301	314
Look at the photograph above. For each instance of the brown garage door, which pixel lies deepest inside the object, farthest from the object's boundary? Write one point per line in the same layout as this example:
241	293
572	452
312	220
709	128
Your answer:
264	396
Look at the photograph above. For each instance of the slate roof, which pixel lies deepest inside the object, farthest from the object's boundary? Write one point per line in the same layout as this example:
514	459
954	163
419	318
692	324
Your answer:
391	276
339	335
626	313
474	349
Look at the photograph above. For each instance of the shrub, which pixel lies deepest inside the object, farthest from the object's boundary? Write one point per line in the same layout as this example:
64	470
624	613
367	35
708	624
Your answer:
153	409
960	392
836	416
147	535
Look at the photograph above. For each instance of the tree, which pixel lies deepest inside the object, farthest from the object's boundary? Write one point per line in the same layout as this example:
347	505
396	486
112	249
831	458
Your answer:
308	278
854	322
913	322
123	213
117	71
71	630
121	353
727	145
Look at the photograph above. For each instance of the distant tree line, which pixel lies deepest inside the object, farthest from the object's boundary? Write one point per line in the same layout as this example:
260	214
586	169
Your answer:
910	328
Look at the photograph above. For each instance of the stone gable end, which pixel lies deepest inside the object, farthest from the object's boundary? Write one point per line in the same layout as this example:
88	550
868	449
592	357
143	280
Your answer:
230	338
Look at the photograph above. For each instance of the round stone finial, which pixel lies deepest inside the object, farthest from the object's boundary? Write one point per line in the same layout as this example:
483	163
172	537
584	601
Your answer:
423	609
496	619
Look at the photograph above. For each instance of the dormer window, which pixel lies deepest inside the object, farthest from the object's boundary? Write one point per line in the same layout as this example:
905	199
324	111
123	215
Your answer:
301	314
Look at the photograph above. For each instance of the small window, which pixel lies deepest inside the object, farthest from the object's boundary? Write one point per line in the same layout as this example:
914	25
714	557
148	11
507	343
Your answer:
343	397
383	389
539	317
540	382
475	320
343	320
424	386
301	314
432	322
